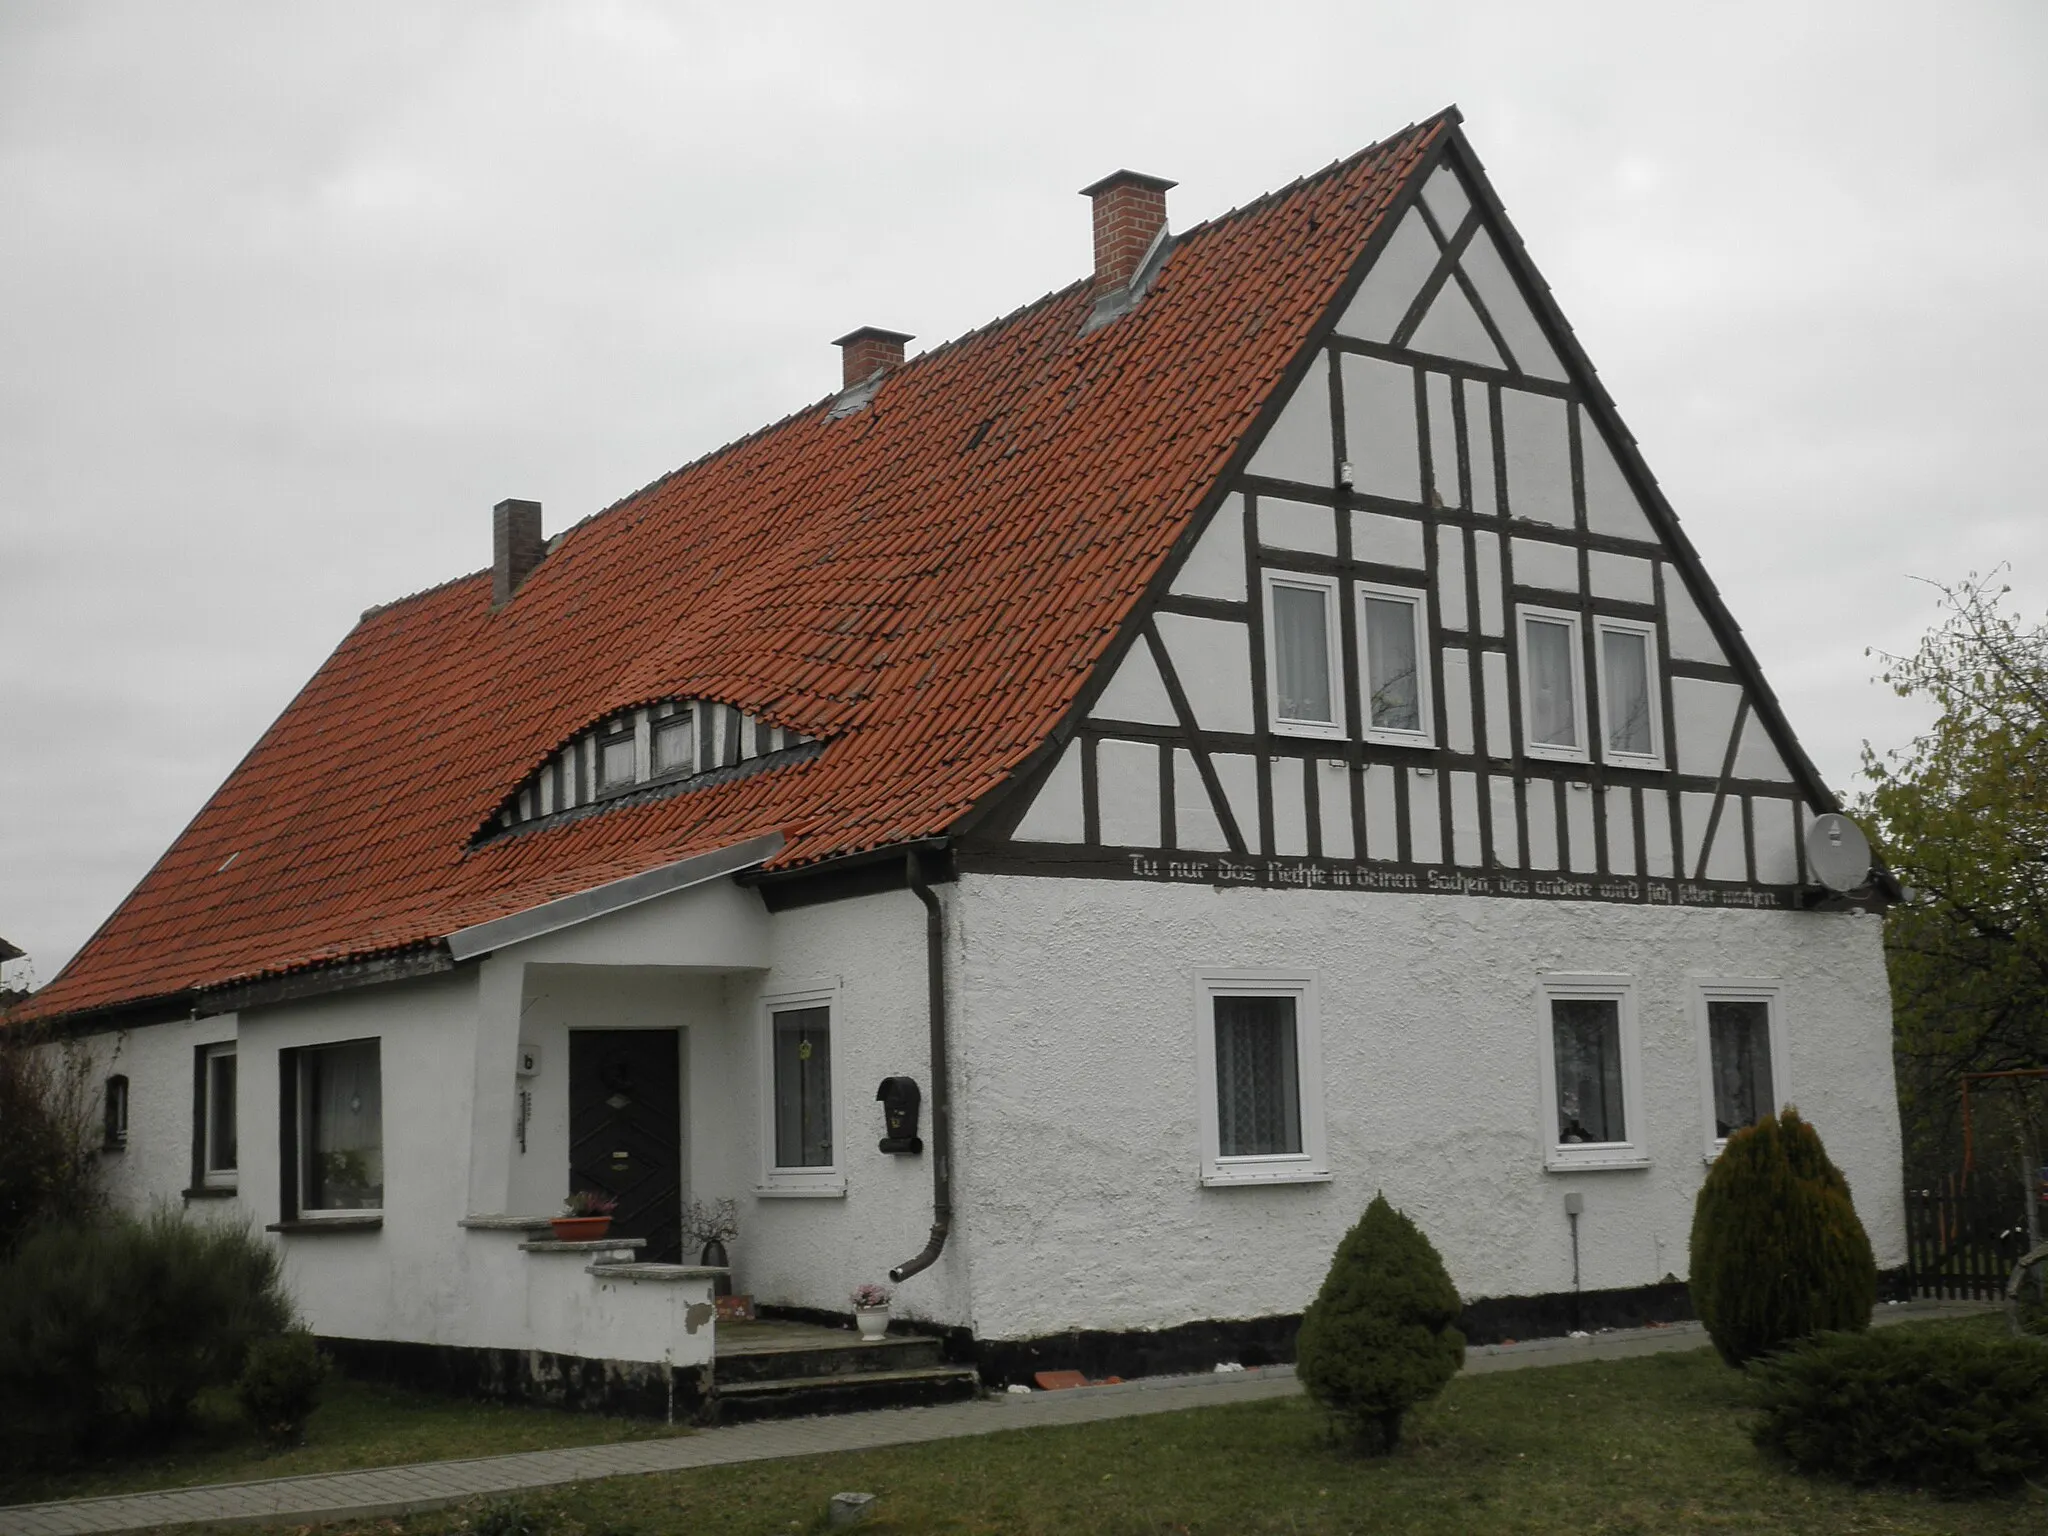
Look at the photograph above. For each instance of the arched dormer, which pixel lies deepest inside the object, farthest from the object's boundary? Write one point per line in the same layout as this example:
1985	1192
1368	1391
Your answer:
655	749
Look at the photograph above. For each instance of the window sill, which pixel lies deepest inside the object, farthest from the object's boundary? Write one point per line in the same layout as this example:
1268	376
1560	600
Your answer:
210	1192
1231	1179
304	1226
820	1191
1308	729
1596	1164
1555	754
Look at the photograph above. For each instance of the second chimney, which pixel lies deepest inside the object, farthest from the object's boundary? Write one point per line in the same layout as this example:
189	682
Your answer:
863	351
1130	211
516	547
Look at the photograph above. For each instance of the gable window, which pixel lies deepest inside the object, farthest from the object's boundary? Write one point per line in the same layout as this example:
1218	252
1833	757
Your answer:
1740	1054
675	743
1393	636
1627	653
114	1114
615	759
213	1127
799	1110
1260	1071
1301	654
338	1101
1553	695
1592	1116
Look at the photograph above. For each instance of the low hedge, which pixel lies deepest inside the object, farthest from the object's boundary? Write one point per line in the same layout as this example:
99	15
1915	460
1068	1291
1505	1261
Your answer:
1956	1413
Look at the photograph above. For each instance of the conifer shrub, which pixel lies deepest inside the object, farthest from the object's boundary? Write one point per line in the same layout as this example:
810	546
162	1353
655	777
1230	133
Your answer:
1778	1253
1955	1413
280	1385
1381	1335
109	1333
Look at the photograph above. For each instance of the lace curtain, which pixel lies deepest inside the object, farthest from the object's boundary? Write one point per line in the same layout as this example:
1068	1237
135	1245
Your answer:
342	1098
1626	702
1553	684
1586	1036
1301	652
1739	1040
1390	661
1258	1097
803	1088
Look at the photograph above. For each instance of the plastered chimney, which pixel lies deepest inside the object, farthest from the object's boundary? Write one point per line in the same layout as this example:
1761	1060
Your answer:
516	547
1130	211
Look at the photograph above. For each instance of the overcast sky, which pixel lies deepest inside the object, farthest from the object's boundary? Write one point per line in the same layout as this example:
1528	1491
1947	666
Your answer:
291	294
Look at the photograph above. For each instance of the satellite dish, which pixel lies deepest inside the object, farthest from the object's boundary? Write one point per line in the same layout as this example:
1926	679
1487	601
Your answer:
1838	853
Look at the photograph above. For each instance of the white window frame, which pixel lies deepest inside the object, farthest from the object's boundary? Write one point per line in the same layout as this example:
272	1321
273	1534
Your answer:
211	1177
1311	1165
1333	624
1561	1157
1582	753
819	1183
1424	691
1710	989
1654	758
302	1129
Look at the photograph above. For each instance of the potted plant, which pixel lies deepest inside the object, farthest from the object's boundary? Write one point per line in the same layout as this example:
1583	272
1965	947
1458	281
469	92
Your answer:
713	1226
586	1216
871	1311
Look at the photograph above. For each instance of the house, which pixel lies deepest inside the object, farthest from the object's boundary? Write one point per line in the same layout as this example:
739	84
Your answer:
1238	733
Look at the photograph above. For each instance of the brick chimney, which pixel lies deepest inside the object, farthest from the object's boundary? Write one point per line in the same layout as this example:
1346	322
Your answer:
516	547
861	352
1130	211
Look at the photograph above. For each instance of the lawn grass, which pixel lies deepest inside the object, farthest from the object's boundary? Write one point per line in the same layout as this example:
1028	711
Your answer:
357	1425
1650	1445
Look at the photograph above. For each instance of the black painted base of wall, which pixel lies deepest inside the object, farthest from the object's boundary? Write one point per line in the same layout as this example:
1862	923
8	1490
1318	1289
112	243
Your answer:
641	1389
1192	1347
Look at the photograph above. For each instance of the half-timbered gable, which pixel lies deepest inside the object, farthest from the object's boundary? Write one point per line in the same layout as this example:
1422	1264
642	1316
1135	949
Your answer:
1439	631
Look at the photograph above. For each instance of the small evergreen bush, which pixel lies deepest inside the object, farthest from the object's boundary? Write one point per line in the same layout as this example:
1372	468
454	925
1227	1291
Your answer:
1778	1253
1380	1336
1956	1413
280	1385
109	1333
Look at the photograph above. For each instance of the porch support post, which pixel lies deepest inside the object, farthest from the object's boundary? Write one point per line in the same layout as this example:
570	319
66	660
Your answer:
500	997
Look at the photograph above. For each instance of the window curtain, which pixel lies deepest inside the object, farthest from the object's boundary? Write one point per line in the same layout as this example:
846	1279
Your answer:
803	1088
1390	659
675	743
1258	1097
343	1102
1586	1036
1739	1041
1553	684
1301	653
1627	704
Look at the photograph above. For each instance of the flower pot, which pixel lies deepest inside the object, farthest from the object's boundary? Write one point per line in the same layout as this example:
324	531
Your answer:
713	1256
872	1321
580	1229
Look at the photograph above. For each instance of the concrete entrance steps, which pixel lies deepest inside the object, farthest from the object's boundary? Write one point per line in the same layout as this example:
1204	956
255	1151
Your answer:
776	1370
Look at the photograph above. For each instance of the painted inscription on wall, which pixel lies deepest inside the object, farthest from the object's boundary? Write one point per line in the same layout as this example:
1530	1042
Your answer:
1433	880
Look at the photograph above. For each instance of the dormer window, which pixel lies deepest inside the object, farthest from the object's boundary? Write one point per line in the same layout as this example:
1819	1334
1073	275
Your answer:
615	759
675	743
660	748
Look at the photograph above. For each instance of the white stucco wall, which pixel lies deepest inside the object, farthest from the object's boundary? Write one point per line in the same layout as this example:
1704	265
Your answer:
155	1168
1080	1133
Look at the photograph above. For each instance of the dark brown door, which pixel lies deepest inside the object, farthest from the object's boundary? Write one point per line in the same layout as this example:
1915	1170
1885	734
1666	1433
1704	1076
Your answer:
626	1131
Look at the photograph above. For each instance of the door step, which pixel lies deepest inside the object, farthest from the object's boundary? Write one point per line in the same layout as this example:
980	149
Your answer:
845	1392
774	1369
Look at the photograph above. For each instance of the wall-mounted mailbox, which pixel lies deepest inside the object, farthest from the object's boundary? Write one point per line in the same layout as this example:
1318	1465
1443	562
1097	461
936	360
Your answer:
900	1098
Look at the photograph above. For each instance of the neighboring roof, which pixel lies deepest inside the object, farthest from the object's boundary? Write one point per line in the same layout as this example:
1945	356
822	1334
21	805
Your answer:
9	952
927	583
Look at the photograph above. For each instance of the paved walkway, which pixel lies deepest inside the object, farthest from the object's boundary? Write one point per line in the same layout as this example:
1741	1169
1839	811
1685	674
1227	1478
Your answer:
388	1491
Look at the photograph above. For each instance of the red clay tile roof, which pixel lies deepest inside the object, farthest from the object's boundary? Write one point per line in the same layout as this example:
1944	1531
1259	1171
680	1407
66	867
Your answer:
933	610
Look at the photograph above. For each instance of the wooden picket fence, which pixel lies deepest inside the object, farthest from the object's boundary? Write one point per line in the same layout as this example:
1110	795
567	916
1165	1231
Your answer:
1963	1238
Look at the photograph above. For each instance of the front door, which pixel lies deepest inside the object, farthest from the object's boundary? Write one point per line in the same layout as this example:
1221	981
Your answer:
626	1131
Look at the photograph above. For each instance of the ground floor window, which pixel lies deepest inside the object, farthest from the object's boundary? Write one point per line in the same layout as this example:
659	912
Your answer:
339	1103
214	1154
1588	1052
1259	1054
1739	1054
114	1114
799	1107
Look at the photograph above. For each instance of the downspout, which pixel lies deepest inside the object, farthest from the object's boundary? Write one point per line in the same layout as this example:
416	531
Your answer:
942	1092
